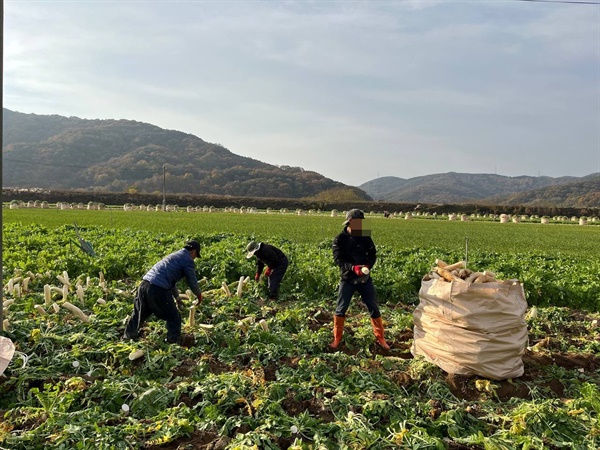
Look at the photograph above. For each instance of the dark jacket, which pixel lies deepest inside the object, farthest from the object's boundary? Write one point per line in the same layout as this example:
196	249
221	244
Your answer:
270	256
172	268
351	251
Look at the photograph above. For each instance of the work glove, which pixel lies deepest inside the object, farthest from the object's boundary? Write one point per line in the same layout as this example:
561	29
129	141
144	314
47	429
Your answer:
257	276
356	270
268	272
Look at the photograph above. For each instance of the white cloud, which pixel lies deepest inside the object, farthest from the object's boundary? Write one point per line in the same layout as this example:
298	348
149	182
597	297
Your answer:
314	84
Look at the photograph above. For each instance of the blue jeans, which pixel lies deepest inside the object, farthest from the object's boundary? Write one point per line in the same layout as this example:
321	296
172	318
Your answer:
367	294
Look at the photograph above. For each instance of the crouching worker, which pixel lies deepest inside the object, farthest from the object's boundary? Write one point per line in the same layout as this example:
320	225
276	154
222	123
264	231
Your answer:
157	294
275	261
355	254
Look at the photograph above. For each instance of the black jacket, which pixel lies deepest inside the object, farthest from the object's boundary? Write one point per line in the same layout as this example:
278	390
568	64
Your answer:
270	256
351	251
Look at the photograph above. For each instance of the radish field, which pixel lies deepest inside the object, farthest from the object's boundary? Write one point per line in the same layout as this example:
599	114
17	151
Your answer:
71	383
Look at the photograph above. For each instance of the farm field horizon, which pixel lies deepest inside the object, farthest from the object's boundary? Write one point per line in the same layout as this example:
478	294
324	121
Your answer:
72	383
485	235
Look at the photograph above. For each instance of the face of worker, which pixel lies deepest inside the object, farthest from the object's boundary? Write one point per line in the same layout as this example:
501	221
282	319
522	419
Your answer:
359	227
194	254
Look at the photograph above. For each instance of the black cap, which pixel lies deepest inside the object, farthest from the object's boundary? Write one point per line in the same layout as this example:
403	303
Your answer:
193	245
354	214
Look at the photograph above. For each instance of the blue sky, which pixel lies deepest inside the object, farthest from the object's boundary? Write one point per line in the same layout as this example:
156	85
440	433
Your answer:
351	89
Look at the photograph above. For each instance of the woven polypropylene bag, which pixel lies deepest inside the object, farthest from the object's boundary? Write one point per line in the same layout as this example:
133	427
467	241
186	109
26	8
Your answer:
7	351
472	329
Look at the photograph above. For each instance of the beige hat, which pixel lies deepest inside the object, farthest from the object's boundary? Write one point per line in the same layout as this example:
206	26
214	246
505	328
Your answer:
252	248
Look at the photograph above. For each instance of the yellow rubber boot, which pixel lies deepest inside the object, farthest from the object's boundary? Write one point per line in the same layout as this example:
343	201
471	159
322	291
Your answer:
378	331
338	330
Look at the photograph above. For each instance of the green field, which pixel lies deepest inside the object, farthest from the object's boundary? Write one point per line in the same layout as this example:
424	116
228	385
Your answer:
230	388
549	239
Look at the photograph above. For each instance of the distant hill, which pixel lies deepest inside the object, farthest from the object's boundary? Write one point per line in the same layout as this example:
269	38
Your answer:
456	188
56	152
577	194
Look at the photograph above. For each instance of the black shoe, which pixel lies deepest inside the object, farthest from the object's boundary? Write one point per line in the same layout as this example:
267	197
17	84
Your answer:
130	338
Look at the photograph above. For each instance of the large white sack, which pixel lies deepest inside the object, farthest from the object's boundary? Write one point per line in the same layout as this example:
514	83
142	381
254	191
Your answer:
7	351
472	329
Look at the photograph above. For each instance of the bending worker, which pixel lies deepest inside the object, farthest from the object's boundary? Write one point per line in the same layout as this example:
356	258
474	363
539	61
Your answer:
355	254
274	259
157	294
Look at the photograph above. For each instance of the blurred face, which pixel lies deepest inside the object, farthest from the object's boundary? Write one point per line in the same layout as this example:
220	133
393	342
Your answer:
359	227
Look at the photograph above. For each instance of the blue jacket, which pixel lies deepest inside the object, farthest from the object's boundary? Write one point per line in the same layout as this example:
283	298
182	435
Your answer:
172	268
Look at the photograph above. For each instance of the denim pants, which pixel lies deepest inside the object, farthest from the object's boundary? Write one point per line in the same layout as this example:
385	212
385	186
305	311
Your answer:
367	294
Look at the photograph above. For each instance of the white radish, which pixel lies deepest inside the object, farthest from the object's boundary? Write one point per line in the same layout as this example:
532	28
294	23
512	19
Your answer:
47	294
55	307
26	284
226	289
471	278
457	265
240	287
80	294
484	279
75	310
135	355
192	316
101	301
40	310
263	323
7	303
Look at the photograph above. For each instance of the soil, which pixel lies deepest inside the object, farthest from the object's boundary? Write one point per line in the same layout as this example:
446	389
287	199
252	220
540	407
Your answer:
199	440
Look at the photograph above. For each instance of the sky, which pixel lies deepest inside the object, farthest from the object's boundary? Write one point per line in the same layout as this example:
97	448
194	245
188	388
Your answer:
354	90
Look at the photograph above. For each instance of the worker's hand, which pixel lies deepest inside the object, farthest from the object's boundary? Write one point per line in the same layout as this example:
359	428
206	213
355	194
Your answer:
200	298
268	272
257	276
357	270
179	304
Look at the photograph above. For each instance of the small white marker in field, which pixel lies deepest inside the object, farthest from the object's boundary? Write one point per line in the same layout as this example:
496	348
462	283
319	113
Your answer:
76	364
294	429
125	407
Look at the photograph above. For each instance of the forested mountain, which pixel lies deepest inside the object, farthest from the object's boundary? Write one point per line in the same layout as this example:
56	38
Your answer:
456	188
56	152
577	194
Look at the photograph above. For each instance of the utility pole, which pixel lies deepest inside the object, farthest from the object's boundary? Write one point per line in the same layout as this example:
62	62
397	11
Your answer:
164	187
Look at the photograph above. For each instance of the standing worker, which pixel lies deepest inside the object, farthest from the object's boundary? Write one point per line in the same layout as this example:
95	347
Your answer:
274	259
157	294
354	252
